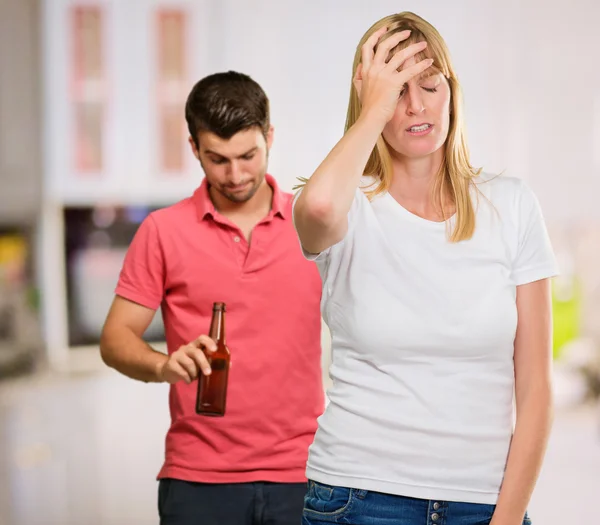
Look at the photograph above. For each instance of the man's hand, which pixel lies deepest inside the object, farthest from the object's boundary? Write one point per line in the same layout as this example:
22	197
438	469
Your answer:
187	362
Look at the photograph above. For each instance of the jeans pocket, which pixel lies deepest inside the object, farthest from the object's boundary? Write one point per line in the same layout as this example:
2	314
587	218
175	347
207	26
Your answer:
325	500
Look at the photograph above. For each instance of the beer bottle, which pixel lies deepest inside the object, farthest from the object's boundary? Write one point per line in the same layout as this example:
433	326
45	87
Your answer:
212	389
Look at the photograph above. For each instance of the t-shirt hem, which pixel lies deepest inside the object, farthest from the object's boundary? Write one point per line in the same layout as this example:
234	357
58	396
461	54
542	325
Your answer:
201	476
531	275
402	489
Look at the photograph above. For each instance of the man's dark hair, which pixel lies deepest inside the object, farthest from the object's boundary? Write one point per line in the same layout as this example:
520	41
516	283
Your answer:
226	103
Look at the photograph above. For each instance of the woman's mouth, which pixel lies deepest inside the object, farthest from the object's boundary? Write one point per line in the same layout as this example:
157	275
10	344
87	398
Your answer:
420	129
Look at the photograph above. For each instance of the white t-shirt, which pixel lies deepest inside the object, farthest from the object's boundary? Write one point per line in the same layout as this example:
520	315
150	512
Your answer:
422	345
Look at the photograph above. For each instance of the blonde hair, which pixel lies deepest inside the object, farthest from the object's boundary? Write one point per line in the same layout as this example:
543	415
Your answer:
455	177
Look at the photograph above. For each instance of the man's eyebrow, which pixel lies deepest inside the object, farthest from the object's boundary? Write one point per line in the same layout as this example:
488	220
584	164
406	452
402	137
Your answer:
211	152
251	150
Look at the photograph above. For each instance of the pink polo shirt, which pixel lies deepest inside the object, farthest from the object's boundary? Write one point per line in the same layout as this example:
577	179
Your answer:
184	258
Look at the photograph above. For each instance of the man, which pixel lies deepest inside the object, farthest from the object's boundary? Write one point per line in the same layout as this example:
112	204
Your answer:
233	241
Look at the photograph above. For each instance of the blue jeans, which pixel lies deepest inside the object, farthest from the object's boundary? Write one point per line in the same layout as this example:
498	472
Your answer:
326	504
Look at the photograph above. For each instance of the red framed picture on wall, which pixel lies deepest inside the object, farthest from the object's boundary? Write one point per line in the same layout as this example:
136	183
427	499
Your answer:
171	80
88	87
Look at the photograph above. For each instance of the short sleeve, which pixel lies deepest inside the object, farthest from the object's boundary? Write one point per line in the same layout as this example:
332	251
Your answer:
142	276
534	258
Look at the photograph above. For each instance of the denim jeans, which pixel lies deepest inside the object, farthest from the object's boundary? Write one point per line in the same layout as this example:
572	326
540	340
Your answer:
261	503
326	504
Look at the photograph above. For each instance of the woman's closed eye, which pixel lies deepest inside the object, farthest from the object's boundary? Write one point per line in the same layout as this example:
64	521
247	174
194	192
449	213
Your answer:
430	89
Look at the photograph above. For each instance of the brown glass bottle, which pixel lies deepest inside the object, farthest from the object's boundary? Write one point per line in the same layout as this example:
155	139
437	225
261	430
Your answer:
212	389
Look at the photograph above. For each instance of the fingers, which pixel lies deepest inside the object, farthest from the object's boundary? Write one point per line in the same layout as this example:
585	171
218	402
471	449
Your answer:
404	54
384	48
205	342
406	74
367	51
178	371
189	365
198	355
186	363
199	358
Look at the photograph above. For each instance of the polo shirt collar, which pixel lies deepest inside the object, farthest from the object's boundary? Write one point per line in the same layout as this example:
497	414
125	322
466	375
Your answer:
206	208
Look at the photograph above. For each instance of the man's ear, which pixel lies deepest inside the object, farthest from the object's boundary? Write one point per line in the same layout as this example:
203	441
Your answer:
194	147
270	136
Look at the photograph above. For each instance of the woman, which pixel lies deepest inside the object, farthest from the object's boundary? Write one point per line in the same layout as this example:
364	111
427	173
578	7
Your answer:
436	291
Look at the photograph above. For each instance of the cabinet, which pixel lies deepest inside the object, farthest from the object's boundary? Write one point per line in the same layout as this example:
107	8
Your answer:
116	78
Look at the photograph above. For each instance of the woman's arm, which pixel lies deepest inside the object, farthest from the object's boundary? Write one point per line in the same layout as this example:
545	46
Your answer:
321	212
533	390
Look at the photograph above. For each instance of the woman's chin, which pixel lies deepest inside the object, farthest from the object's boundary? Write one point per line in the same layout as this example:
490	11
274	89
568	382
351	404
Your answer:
417	151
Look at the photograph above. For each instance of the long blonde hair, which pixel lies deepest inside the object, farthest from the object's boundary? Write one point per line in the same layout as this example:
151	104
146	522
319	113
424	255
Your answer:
455	177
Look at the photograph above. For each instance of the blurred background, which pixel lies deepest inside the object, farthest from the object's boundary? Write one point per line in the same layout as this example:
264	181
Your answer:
93	138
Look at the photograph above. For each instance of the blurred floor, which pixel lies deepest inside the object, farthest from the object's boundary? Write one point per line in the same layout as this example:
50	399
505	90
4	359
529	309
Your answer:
86	449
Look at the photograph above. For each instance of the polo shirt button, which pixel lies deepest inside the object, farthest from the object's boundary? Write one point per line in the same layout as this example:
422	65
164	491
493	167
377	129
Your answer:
435	516
436	506
236	239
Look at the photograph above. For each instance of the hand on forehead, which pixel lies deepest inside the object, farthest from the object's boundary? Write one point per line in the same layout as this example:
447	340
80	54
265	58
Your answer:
428	73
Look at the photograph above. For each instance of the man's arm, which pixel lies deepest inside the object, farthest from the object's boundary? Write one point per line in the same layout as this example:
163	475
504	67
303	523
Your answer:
121	343
122	348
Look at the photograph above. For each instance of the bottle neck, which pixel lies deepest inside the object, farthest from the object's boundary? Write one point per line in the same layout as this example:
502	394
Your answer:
217	326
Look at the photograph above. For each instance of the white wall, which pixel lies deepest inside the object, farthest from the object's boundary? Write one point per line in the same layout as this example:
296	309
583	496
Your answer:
532	87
